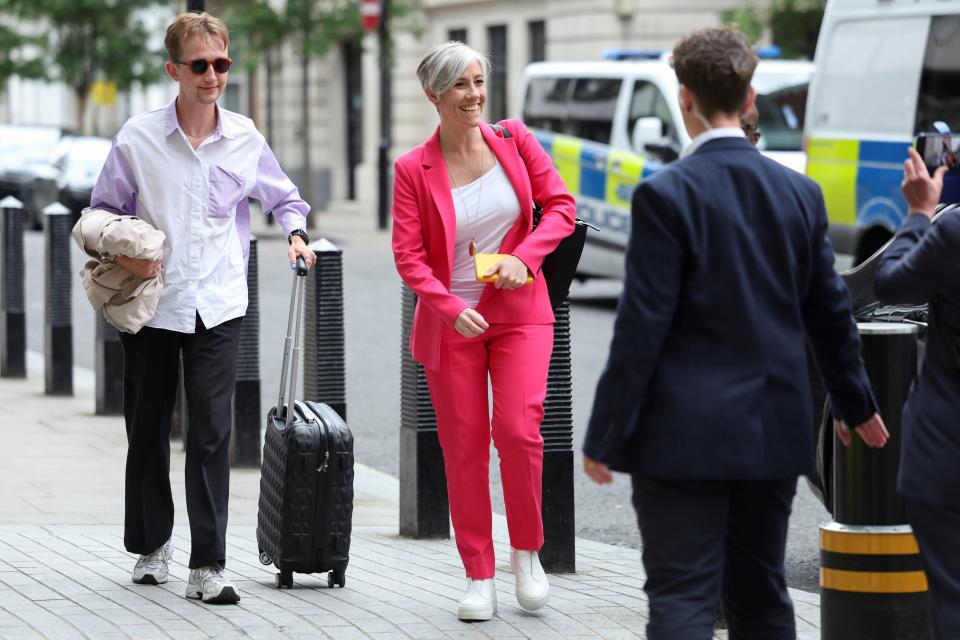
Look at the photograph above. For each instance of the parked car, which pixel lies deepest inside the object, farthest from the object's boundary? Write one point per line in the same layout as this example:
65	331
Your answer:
69	177
24	148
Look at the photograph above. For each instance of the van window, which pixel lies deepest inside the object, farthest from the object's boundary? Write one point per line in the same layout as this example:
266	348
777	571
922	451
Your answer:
546	102
647	101
591	108
939	97
781	118
869	79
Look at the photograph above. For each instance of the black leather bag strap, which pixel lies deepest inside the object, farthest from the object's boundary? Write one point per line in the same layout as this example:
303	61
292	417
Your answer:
505	133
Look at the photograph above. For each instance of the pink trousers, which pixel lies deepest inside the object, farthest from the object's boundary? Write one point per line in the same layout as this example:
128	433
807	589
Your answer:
516	358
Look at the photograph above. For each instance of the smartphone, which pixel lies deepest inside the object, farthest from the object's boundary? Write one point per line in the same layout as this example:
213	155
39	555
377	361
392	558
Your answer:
938	149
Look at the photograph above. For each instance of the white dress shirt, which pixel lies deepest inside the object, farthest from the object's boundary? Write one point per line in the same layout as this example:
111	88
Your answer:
712	134
198	198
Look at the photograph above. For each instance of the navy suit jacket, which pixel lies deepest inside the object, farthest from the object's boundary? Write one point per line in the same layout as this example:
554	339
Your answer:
923	264
728	266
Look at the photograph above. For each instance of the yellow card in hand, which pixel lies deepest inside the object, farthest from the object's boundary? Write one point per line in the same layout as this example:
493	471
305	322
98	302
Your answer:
485	261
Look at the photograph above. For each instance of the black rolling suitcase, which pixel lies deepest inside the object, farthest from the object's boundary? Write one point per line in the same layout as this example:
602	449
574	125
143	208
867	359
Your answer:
306	479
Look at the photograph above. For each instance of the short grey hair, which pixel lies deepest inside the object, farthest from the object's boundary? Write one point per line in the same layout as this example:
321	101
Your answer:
445	63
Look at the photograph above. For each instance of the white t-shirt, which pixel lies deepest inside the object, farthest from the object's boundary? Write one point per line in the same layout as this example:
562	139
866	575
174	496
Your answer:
486	209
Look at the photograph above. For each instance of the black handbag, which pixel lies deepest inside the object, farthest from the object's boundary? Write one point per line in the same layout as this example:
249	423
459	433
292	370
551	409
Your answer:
560	266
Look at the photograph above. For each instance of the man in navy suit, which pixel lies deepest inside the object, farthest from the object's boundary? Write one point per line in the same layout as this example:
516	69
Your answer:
705	397
922	264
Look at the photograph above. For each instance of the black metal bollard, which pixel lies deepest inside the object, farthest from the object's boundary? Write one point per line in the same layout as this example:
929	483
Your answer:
424	509
245	445
109	369
558	554
13	317
873	585
58	334
324	376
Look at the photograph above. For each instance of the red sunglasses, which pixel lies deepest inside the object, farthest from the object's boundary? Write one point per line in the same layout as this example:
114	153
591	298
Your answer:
199	66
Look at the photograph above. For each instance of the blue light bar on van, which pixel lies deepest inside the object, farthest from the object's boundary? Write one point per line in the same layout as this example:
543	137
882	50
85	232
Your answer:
769	52
633	54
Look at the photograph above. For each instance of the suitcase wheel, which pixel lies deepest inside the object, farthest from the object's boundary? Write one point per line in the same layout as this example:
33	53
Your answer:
339	579
284	580
265	559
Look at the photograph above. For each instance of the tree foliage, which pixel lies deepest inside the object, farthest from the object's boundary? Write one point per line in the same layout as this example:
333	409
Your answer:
86	40
313	26
794	24
15	58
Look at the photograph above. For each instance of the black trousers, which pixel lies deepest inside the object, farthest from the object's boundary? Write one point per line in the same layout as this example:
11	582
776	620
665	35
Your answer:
150	381
699	535
937	528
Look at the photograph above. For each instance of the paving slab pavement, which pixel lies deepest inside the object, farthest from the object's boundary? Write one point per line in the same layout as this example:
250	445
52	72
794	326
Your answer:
64	573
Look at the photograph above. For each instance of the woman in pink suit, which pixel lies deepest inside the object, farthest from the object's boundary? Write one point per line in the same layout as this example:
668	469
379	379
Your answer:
470	184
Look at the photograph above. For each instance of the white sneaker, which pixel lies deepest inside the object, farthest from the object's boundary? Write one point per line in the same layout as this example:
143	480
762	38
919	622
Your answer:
210	585
533	590
152	568
479	602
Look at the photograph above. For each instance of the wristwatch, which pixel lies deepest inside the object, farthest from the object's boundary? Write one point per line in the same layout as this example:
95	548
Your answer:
298	232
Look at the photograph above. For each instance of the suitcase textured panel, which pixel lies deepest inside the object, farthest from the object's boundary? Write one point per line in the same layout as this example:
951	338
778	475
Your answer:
306	487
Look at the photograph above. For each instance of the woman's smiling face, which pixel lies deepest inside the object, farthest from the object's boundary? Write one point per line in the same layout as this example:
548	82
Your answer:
463	102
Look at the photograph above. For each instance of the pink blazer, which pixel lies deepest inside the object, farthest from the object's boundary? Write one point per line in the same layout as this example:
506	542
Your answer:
425	228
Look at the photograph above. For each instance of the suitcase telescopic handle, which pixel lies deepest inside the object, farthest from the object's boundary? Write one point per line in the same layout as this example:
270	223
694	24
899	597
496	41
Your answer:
291	343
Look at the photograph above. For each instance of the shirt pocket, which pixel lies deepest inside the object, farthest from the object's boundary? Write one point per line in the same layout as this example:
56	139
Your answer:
225	189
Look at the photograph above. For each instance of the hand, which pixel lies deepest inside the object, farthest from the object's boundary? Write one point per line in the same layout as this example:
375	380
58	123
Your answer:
921	191
873	432
140	267
470	324
597	471
510	271
299	248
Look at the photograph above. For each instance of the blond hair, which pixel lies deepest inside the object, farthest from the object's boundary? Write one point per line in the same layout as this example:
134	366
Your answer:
191	24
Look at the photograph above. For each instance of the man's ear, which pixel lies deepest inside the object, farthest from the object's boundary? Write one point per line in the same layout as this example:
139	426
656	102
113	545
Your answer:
686	99
172	71
751	99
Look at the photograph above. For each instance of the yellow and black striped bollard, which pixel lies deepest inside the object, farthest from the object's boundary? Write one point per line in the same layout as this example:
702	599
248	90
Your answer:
873	585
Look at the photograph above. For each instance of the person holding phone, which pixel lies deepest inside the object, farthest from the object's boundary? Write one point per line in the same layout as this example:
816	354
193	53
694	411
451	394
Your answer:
922	264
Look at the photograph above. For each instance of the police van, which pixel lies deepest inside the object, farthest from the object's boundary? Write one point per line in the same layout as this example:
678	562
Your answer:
886	70
609	124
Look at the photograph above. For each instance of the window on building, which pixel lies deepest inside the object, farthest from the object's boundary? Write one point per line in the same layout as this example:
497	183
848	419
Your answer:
537	38
939	98
591	108
545	104
497	85
457	35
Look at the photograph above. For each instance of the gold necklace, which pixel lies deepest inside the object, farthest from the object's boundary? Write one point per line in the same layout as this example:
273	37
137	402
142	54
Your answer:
203	136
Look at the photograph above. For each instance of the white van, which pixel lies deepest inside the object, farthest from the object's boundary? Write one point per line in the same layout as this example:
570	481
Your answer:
609	124
886	70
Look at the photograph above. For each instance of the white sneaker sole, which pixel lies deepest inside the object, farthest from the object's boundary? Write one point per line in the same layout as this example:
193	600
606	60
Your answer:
534	603
227	595
476	614
149	578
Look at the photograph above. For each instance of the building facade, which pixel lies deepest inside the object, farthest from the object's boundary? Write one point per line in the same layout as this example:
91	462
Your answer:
321	114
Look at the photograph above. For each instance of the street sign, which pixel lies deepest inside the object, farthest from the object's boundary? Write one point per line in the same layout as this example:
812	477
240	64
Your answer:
104	92
370	15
